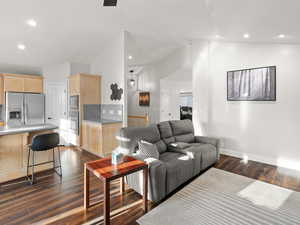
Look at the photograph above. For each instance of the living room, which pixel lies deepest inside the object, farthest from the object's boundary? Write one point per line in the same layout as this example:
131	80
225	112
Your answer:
113	79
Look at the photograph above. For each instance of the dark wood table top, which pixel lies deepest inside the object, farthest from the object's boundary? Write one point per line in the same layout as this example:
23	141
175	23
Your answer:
105	170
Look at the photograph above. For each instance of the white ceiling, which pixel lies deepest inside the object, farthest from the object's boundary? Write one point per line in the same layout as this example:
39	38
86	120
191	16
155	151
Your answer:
75	30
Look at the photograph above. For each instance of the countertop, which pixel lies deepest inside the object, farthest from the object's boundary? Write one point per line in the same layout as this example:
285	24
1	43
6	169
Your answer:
25	129
103	121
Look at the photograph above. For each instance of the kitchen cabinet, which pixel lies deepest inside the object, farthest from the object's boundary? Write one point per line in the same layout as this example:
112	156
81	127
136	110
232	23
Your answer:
33	85
99	139
22	83
13	83
74	84
88	88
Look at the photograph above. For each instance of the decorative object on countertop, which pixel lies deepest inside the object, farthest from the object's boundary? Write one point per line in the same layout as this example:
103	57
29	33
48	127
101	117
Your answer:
144	98
116	92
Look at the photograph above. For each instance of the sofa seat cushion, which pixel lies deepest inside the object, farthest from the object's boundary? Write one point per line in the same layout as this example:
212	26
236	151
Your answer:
187	138
180	168
209	154
178	146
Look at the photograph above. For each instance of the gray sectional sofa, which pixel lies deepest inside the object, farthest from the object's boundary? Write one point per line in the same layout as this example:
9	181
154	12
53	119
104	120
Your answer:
182	155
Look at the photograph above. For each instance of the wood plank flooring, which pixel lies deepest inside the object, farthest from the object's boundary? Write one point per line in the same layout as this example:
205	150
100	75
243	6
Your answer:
52	201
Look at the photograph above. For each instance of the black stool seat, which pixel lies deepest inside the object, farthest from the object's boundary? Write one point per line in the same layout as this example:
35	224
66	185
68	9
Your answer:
44	142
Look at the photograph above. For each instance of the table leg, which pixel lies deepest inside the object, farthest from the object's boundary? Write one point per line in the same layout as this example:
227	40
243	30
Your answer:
86	188
106	205
145	196
122	185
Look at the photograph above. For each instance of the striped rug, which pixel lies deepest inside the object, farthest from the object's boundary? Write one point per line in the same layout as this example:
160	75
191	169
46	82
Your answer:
222	198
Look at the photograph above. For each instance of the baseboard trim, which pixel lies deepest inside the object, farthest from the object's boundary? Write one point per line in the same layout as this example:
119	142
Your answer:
252	157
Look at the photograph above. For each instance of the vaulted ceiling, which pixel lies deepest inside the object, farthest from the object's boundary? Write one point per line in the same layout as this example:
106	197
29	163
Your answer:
76	30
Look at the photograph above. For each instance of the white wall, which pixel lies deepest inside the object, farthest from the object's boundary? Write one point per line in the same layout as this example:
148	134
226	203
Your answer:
170	88
111	65
264	131
79	68
147	81
57	72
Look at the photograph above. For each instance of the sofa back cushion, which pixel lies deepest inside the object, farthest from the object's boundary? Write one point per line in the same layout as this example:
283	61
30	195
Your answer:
183	130
129	137
166	132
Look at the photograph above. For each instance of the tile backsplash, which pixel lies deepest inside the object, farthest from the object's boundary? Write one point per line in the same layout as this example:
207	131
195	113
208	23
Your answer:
112	112
97	112
92	112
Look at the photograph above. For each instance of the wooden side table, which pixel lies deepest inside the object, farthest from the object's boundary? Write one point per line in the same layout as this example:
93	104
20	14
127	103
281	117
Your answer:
105	171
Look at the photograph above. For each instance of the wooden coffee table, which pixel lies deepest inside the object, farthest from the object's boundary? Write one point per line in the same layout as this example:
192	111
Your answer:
106	171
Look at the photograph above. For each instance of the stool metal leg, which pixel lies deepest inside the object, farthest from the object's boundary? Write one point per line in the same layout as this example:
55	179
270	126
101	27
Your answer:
59	161
53	156
28	161
33	164
58	166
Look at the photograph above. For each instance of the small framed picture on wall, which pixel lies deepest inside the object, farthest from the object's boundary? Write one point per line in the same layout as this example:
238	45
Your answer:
144	99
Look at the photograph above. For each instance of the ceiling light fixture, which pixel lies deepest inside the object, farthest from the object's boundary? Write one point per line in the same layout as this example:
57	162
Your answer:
281	36
131	81
130	57
21	47
31	23
217	36
246	35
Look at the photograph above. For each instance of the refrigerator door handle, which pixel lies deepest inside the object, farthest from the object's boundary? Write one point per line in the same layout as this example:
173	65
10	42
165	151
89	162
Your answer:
26	113
23	113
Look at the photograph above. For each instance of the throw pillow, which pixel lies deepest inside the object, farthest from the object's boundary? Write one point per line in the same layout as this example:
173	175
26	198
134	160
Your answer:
148	149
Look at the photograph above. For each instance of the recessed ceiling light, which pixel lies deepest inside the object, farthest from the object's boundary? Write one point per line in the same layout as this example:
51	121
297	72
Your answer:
21	47
246	35
31	23
281	36
130	57
217	36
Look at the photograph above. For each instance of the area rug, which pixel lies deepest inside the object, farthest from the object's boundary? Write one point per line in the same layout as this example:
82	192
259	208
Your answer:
222	198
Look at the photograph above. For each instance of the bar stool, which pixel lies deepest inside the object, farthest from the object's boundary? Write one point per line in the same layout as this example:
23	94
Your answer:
43	142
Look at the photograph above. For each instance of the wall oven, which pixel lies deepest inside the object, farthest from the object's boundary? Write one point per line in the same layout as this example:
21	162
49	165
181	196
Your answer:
74	114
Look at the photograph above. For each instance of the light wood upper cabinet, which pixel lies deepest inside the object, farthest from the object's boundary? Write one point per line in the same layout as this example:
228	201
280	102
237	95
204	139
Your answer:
13	83
74	84
33	85
23	83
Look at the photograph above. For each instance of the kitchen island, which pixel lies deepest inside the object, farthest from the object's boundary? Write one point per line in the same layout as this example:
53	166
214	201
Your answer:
14	152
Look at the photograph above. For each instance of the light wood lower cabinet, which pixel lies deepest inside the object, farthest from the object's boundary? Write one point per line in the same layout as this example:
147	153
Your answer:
99	139
14	153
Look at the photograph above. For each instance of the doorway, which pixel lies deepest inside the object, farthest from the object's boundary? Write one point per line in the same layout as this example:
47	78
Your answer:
56	108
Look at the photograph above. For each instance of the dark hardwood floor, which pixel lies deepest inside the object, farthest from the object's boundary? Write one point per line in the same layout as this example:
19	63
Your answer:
52	201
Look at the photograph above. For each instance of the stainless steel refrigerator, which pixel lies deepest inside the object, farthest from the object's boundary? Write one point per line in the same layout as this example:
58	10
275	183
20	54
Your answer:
24	109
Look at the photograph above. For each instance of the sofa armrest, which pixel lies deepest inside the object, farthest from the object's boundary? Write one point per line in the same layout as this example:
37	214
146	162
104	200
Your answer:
157	178
209	140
